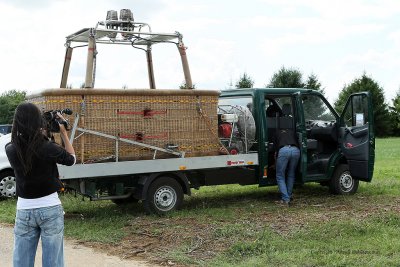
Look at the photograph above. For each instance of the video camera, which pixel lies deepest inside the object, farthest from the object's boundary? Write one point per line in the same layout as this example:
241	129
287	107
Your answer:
52	122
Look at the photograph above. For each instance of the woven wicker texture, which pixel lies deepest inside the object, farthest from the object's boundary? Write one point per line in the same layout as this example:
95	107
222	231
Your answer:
183	118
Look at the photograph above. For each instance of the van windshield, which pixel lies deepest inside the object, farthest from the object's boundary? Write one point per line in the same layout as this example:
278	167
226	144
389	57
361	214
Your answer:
244	101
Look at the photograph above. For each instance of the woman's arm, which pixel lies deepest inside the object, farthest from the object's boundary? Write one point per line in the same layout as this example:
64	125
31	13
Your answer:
63	132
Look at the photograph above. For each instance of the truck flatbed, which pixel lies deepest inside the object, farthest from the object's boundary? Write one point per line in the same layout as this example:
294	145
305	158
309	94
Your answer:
98	170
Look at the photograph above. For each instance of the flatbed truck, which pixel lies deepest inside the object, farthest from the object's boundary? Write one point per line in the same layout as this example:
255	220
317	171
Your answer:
336	150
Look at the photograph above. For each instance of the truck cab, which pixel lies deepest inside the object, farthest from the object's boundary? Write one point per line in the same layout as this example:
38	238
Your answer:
337	150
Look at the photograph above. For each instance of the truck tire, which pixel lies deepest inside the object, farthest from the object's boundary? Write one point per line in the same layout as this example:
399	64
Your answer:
342	183
8	185
165	194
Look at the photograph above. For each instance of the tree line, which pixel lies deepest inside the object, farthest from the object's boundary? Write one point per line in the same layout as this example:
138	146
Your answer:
8	103
386	115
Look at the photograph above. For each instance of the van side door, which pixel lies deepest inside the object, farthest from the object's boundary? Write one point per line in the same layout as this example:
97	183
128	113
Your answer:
300	129
319	127
356	135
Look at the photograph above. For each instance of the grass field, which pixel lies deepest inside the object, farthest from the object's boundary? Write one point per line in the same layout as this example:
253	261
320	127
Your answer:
241	226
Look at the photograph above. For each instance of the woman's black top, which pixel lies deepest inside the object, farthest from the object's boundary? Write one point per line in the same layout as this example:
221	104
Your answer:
43	179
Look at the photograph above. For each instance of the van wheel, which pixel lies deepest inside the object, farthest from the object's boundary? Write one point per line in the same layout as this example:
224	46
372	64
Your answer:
165	194
342	183
8	185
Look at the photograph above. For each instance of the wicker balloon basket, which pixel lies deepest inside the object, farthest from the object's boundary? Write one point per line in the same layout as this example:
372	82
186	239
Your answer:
183	121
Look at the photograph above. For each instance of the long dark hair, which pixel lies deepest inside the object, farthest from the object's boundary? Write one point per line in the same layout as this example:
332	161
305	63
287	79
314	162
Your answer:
27	133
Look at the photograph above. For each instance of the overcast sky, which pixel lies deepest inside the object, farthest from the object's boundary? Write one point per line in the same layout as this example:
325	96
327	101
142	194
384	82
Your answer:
336	40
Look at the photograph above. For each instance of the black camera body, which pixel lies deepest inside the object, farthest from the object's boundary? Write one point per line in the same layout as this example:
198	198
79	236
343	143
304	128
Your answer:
52	122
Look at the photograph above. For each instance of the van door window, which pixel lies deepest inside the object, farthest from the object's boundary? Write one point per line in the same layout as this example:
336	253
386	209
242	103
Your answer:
315	109
357	113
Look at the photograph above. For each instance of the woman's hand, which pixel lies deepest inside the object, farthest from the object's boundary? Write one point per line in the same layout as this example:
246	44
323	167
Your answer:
58	114
62	127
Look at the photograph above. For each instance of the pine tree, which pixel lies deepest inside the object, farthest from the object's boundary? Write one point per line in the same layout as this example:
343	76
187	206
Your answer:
314	106
184	86
245	81
395	114
381	112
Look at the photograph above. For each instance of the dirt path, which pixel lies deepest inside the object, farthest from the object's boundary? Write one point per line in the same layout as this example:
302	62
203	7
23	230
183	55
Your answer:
75	255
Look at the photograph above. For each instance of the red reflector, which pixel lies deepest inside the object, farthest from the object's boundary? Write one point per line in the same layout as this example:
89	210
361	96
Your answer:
349	145
233	152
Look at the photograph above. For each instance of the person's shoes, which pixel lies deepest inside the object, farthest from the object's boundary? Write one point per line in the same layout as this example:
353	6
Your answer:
282	203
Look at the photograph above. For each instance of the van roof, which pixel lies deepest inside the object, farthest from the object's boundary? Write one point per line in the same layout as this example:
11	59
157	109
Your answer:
272	91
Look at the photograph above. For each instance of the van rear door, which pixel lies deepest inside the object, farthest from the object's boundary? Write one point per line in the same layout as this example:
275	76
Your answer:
356	136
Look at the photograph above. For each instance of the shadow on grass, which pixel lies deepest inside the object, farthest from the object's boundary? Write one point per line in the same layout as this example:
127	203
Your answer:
235	195
215	197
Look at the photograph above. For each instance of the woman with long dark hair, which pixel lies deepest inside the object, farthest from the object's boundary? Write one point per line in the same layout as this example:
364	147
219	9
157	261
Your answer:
39	211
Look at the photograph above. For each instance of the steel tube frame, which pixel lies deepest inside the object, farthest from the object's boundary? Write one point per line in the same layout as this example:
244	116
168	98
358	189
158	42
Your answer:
150	68
67	63
90	62
185	65
71	37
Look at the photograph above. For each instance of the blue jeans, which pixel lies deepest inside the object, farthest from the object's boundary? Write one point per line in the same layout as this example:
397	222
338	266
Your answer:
30	224
288	158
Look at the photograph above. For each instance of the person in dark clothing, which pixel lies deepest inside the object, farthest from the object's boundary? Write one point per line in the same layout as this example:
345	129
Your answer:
287	158
39	212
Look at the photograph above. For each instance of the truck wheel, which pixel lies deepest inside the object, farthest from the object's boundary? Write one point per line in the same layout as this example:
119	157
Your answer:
342	183
165	194
8	186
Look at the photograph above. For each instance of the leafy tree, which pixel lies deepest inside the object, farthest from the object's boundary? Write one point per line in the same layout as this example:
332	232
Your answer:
184	86
287	78
395	114
245	81
8	103
381	112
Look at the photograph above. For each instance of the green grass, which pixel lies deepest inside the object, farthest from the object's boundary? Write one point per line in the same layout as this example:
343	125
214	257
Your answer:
241	226
386	180
349	242
7	211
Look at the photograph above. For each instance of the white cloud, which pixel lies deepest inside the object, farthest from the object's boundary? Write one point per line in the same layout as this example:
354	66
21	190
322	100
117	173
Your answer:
340	9
395	37
27	5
